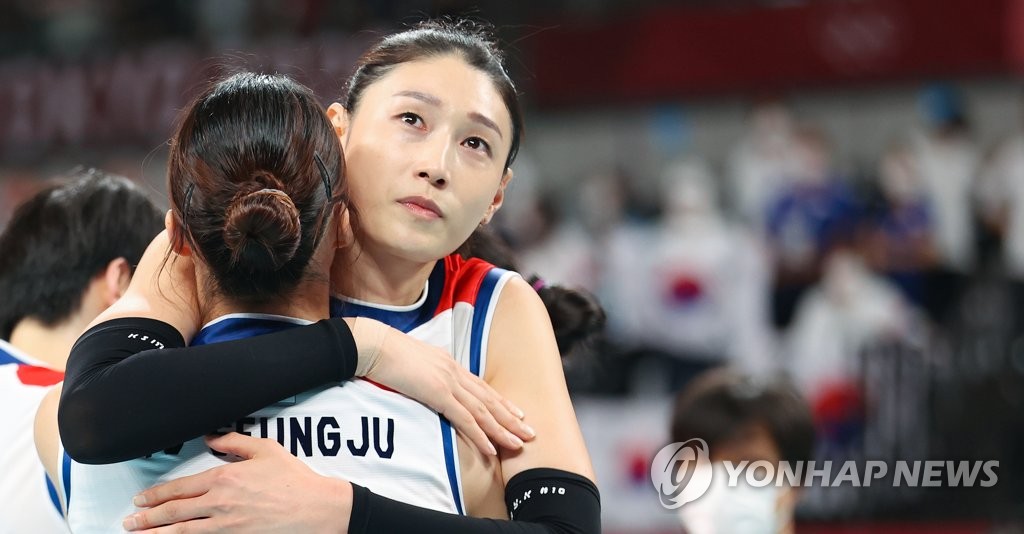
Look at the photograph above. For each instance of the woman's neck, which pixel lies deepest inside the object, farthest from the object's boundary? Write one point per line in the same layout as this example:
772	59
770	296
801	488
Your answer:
305	310
307	301
379	278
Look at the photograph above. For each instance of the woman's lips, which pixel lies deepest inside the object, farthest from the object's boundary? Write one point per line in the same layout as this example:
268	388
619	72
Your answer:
422	206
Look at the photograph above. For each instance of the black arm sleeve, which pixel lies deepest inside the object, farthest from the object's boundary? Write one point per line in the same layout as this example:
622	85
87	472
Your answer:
132	387
543	501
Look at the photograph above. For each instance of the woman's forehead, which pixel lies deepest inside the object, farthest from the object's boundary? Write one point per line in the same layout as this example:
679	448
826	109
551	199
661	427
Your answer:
449	83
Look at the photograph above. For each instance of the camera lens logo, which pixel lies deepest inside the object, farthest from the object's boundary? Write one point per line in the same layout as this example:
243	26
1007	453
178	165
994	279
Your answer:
680	472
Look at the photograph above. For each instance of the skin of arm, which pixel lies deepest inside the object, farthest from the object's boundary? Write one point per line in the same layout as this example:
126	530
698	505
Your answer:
47	440
525	367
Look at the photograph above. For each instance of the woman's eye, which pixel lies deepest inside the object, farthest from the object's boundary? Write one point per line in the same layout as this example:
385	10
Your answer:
478	144
411	119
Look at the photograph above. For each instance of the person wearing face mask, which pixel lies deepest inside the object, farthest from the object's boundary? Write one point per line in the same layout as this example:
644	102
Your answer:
742	418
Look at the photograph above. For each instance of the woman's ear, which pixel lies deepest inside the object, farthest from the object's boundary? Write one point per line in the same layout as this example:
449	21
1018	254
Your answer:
345	235
179	245
339	118
499	197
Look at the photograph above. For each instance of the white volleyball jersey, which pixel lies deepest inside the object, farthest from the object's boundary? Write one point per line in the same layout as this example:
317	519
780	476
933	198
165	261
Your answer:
359	430
28	502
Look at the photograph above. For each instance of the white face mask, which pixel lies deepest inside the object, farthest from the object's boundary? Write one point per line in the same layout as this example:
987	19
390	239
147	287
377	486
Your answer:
742	509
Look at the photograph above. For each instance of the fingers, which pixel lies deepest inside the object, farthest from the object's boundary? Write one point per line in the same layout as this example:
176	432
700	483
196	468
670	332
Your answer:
198	526
199	484
506	415
510	406
485	420
463	421
246	447
169	513
182	488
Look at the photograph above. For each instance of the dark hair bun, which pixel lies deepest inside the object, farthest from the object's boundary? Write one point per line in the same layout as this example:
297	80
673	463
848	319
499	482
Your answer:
576	316
262	229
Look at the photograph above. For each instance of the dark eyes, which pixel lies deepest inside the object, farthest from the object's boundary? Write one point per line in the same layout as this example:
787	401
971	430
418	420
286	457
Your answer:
473	143
410	118
477	144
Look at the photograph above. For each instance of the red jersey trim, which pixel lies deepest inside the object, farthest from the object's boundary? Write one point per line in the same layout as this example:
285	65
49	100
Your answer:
462	280
378	384
31	375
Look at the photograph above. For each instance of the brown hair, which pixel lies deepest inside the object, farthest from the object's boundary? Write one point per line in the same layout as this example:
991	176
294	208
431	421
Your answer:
254	170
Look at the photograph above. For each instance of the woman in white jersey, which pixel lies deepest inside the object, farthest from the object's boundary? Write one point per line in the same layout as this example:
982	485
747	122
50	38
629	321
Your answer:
430	126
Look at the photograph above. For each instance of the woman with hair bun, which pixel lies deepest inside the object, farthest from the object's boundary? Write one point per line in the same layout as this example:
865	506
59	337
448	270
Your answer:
430	126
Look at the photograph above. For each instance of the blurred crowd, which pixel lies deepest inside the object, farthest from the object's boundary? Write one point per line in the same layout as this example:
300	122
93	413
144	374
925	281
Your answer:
777	260
893	298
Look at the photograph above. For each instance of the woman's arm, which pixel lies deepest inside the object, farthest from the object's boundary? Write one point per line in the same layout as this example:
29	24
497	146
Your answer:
133	388
523	365
122	400
47	441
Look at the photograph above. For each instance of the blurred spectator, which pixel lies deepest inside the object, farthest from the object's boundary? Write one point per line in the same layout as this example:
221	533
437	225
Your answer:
762	162
813	214
556	249
743	418
900	232
948	159
1001	192
850	310
547	242
612	212
707	281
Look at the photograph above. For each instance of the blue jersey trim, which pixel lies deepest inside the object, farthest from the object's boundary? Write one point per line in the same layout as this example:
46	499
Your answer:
480	311
403	321
66	470
234	328
7	357
54	497
449	462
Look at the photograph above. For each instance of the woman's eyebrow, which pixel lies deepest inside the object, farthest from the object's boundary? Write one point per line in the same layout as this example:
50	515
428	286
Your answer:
421	96
482	119
432	100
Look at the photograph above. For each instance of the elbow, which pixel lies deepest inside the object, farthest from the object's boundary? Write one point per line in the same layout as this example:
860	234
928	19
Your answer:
83	433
